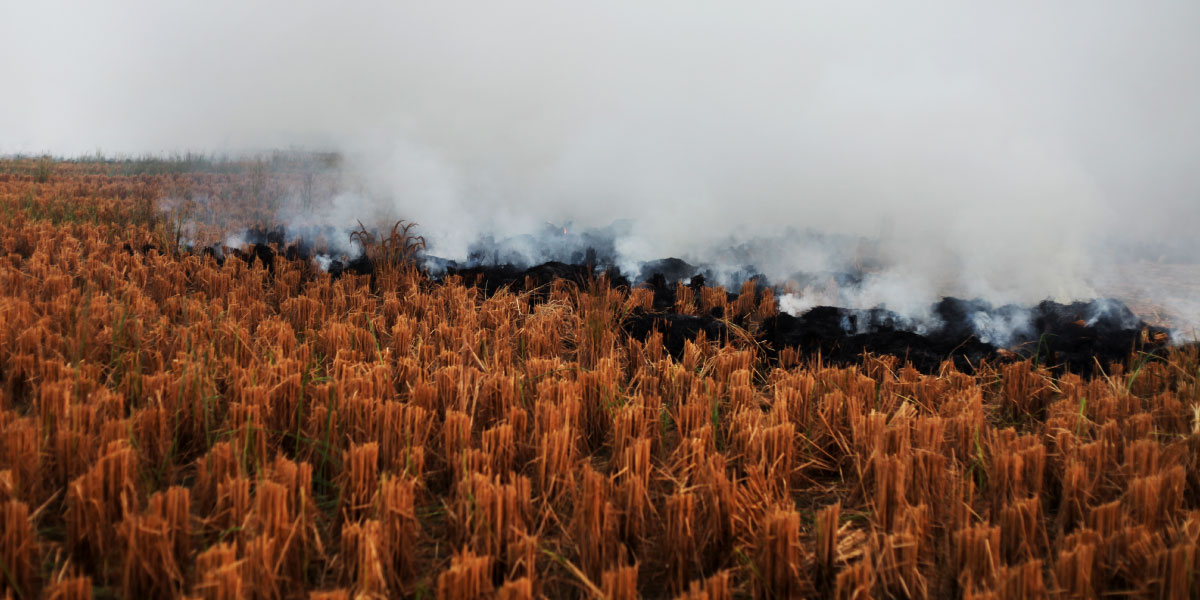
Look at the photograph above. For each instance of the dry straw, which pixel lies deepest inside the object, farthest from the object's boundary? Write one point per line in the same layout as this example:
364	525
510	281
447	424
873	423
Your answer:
176	425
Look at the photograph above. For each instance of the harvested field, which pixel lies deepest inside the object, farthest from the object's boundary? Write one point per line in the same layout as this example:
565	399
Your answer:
178	424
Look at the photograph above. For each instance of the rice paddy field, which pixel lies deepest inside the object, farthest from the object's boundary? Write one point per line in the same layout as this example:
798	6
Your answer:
176	426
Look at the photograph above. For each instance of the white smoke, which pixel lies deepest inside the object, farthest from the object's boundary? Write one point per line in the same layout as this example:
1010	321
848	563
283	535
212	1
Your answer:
236	239
323	261
1012	151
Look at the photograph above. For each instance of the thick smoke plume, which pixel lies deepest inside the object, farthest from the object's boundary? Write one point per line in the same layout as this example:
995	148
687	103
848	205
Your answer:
1011	152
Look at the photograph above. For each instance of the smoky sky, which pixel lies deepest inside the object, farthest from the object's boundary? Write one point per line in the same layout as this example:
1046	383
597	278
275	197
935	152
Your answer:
1013	149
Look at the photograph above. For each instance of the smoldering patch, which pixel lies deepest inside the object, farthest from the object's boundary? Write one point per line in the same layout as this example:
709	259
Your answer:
687	302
